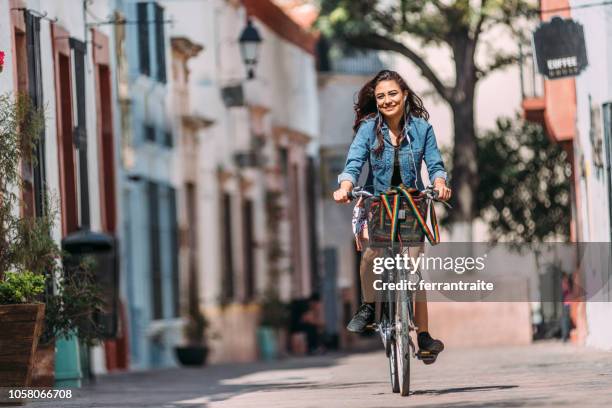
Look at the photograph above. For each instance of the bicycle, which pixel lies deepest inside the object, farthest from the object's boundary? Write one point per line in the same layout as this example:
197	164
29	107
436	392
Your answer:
396	314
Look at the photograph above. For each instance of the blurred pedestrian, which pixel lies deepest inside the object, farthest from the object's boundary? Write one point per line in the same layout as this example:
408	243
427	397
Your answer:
306	321
567	288
313	324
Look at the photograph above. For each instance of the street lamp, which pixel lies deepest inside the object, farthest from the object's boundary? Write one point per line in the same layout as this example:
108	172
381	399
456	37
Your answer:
249	44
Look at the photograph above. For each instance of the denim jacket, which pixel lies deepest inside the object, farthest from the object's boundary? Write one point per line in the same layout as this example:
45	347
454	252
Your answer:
418	144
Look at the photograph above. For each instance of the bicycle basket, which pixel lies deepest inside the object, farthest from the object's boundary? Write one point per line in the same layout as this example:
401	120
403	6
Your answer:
408	228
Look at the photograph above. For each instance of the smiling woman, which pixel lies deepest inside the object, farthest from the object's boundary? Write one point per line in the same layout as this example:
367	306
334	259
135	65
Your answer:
391	134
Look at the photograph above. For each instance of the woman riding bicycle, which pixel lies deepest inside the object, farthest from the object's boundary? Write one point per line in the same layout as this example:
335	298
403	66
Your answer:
391	134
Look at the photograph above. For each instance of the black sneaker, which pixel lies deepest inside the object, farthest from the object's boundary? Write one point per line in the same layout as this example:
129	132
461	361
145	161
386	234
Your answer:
429	347
363	317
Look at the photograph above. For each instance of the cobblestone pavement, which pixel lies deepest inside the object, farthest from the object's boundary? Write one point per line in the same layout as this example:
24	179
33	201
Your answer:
543	374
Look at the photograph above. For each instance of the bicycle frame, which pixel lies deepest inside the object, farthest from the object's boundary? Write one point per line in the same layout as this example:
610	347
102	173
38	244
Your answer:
390	304
396	317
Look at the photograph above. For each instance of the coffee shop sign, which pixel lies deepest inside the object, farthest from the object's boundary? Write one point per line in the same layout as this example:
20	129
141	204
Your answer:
560	49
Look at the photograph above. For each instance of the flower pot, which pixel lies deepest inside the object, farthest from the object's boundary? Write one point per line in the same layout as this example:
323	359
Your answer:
191	355
21	328
268	343
44	366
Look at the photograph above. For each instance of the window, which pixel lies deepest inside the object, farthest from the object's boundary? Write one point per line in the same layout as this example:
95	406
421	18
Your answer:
149	133
174	248
34	187
107	168
145	51
192	245
155	250
311	208
249	253
227	288
160	44
143	38
168	140
80	128
283	163
296	227
67	158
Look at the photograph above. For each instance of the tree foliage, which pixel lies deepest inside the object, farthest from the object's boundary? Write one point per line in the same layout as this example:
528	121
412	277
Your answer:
455	25
524	192
381	24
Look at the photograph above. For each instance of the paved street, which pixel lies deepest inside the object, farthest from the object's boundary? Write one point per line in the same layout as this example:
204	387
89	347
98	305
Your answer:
545	374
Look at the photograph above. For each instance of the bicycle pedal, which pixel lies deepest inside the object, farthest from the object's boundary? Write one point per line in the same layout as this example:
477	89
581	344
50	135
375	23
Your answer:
426	355
372	327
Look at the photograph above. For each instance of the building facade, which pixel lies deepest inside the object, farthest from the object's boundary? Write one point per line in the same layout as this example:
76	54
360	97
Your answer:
592	159
575	112
50	58
252	166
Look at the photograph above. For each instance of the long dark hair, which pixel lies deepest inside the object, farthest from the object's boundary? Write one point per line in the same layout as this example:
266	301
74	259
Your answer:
365	107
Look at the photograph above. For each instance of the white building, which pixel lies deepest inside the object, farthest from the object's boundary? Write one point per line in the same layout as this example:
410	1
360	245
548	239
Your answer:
593	155
577	114
262	133
50	57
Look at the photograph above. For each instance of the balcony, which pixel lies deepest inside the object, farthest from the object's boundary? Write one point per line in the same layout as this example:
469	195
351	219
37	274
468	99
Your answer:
532	87
335	60
552	103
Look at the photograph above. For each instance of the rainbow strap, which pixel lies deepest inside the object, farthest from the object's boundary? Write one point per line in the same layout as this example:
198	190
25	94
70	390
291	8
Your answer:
434	238
393	210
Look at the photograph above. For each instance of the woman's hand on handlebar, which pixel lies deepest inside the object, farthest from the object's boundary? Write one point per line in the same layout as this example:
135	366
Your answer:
341	195
444	193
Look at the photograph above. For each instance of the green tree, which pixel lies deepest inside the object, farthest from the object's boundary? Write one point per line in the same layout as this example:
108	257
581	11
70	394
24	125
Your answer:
457	25
524	185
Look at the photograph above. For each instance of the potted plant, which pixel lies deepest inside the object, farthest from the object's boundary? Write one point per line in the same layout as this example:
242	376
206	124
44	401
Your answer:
70	311
21	309
273	321
35	250
195	351
71	296
35	291
22	319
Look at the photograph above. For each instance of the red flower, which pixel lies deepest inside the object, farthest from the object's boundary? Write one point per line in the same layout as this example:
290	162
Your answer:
1	60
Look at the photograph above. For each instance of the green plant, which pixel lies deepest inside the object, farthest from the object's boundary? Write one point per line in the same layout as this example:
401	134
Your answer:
274	312
20	127
524	184
30	259
33	247
74	305
195	329
21	287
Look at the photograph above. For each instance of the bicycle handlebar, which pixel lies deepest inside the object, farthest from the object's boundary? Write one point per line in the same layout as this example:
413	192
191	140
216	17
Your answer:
359	192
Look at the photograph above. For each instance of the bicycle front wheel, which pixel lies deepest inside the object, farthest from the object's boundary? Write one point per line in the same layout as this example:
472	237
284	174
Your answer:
388	317
393	373
402	343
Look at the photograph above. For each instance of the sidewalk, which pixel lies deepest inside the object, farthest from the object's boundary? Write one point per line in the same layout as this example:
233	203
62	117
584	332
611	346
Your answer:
544	374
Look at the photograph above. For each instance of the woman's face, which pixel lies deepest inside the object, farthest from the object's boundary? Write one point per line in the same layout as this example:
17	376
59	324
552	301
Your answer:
390	98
